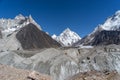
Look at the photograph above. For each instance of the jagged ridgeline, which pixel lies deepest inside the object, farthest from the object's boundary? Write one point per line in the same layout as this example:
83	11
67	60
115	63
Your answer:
106	38
23	33
31	37
104	34
67	38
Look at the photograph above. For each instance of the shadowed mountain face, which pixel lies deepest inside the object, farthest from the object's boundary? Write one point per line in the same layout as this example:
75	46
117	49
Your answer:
31	37
106	38
104	34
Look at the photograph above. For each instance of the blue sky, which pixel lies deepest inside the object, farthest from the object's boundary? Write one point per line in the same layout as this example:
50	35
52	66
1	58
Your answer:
81	16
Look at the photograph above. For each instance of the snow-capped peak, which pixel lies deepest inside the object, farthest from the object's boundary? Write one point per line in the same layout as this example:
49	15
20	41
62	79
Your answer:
67	37
54	36
112	23
117	12
7	26
67	30
31	20
20	16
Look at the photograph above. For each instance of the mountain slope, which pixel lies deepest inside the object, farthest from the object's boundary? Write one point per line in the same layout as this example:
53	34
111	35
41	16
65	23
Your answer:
111	24
7	26
31	37
23	33
106	38
67	37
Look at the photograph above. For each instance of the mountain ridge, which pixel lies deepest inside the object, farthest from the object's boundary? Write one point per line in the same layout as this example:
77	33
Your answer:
111	24
8	26
23	33
67	37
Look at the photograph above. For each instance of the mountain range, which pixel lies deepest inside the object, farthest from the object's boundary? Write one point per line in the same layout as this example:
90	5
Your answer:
25	31
104	34
25	46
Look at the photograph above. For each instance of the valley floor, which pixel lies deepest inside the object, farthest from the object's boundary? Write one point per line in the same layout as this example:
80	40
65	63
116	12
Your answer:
96	63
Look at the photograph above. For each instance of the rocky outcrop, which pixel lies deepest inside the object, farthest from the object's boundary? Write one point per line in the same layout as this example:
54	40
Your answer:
88	39
101	38
106	38
30	37
95	75
10	73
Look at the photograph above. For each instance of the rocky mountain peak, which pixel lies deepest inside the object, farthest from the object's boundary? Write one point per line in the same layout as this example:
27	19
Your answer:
102	34
31	37
54	36
117	12
8	26
20	16
67	30
112	23
67	37
31	20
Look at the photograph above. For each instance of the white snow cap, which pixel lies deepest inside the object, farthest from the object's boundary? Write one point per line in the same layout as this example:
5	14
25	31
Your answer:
117	12
31	20
20	16
54	36
8	26
112	23
67	37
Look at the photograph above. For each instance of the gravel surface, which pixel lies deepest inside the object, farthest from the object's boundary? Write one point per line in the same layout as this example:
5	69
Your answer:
10	73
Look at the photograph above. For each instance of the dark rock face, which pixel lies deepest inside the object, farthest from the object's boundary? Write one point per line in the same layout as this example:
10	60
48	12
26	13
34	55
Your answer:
106	38
0	34
31	37
87	39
